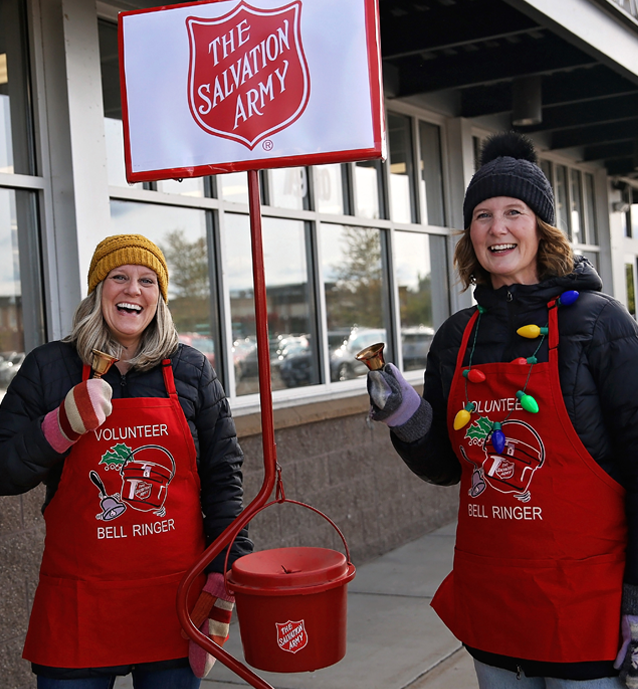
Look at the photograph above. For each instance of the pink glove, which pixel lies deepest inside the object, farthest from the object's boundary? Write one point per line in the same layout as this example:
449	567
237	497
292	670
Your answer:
211	615
84	409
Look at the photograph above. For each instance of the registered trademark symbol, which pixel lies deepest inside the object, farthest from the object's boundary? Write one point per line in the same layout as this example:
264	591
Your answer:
268	145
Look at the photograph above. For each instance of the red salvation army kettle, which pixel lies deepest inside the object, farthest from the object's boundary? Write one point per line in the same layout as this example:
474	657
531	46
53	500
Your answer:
292	605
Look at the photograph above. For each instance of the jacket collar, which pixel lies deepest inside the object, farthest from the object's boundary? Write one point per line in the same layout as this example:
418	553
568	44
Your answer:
583	277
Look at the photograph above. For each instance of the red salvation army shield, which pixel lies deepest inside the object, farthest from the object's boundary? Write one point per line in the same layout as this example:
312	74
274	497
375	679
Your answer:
291	636
248	75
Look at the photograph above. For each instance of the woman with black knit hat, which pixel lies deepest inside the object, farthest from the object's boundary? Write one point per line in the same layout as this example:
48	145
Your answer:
142	471
530	401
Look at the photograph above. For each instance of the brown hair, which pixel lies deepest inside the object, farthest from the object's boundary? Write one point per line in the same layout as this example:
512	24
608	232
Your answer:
555	257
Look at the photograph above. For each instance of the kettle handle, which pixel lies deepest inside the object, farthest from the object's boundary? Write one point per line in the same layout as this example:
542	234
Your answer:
279	500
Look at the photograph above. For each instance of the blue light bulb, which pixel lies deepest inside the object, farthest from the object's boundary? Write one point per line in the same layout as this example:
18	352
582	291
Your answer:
569	297
498	439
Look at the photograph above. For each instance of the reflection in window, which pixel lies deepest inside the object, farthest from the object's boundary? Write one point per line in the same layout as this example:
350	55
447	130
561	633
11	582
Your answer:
181	234
328	188
420	270
356	295
562	210
590	209
431	174
631	289
288	188
367	178
11	325
291	331
401	169
233	186
576	199
189	186
16	135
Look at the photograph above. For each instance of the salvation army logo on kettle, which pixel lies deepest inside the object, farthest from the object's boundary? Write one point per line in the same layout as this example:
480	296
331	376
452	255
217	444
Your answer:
248	75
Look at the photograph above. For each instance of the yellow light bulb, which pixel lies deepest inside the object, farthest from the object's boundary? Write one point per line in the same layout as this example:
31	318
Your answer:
529	331
461	419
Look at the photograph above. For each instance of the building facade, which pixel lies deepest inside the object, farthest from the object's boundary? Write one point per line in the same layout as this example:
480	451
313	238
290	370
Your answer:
354	253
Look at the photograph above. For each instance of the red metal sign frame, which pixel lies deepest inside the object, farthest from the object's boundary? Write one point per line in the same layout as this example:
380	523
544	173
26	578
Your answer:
351	155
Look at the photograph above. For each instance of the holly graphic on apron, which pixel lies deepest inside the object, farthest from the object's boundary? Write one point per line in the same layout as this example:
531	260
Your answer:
114	558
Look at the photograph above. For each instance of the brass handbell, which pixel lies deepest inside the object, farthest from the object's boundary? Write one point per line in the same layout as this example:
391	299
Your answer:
372	356
101	363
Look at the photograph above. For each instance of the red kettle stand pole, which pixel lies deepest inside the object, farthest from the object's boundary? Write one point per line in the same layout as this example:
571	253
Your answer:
268	442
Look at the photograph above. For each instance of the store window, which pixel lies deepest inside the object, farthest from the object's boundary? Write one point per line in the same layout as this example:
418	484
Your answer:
288	188
630	282
16	122
22	324
402	206
419	266
575	199
561	192
590	209
233	187
328	182
291	321
368	188
431	171
576	205
356	292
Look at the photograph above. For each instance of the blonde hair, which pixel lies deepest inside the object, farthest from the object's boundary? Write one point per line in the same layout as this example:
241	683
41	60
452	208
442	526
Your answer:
555	257
90	331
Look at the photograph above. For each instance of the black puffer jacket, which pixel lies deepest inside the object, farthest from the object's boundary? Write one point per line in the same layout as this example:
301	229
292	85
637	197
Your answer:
598	368
49	372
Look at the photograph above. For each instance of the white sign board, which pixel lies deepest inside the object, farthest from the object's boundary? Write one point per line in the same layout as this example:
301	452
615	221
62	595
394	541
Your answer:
224	86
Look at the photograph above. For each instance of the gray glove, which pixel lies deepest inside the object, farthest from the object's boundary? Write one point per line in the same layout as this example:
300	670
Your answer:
397	404
627	659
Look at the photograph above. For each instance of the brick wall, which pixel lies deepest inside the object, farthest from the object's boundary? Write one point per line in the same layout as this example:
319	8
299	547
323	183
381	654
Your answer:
21	542
352	474
340	466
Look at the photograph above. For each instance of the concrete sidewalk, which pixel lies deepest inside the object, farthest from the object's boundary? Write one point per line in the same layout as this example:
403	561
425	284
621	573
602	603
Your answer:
395	640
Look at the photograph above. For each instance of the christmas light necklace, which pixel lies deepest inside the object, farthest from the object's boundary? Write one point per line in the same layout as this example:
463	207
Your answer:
528	403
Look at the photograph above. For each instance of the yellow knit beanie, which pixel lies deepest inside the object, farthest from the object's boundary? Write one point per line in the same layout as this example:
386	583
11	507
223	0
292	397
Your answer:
128	249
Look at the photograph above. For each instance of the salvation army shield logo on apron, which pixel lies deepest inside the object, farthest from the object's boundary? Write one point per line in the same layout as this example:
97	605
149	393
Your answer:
248	75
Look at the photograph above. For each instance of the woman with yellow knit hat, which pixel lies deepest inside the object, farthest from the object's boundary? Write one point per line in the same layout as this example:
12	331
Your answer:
143	471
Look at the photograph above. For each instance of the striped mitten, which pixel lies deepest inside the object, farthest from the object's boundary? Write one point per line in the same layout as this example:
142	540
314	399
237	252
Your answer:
211	616
84	409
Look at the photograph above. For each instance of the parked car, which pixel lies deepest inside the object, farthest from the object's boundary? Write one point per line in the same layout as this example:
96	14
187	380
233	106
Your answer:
295	362
244	356
204	343
415	344
343	365
9	366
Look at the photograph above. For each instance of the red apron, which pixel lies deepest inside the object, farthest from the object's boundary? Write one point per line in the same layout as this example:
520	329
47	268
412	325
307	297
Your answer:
540	543
123	526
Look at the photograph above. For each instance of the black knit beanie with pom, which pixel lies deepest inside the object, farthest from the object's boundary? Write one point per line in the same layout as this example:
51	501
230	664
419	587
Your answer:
509	167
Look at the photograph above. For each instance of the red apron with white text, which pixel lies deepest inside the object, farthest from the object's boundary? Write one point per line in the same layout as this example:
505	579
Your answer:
540	543
122	528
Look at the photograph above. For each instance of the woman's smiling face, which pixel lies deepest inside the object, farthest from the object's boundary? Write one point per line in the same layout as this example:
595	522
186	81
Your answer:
505	238
130	295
